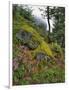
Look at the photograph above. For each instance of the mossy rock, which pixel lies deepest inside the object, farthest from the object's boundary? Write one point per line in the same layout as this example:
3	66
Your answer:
42	56
27	38
24	36
33	44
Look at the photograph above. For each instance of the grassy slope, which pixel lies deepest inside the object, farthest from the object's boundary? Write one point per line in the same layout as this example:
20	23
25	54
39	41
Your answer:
51	71
22	24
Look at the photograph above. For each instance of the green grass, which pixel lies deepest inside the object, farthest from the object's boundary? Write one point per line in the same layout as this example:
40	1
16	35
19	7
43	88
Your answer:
52	75
45	74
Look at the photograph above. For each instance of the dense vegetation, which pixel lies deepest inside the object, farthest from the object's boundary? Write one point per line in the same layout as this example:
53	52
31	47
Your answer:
38	55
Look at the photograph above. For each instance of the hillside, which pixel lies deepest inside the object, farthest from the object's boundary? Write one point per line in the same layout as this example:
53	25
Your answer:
35	61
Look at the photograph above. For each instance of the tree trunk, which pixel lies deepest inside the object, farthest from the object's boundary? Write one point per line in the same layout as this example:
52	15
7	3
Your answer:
48	18
63	44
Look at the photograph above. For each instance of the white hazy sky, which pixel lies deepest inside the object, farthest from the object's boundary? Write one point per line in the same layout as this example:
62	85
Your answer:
36	12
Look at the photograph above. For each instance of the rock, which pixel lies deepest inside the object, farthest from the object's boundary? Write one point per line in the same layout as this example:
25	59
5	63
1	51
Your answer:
41	56
33	44
24	36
